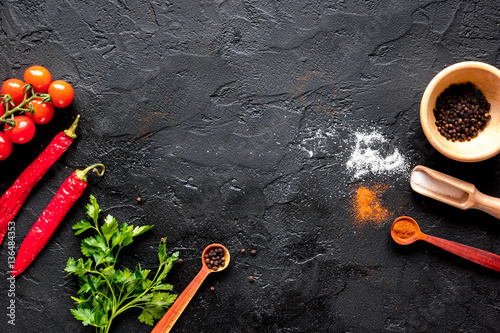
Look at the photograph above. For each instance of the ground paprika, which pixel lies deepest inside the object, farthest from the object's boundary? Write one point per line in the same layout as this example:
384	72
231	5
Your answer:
367	206
404	228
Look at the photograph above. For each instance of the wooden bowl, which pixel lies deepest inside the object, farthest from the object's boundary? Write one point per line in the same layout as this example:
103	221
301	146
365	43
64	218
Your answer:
487	79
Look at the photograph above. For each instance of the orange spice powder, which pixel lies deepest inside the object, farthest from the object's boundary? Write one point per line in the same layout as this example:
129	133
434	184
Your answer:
404	228
367	205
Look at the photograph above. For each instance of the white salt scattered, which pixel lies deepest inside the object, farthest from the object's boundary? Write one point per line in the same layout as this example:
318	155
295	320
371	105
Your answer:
371	155
424	180
316	142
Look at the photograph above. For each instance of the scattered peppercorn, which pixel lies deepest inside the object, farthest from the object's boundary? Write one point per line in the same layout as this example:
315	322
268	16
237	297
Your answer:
250	278
139	200
215	258
212	288
243	251
461	112
180	261
253	252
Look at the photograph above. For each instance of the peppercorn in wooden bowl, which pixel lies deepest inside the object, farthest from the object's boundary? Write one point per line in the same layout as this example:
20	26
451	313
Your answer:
460	111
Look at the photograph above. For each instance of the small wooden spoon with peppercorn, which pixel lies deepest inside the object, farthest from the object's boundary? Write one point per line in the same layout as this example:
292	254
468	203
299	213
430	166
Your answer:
405	231
215	258
452	191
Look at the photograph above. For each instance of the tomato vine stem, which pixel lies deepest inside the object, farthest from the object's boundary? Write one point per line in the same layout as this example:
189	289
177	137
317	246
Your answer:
29	95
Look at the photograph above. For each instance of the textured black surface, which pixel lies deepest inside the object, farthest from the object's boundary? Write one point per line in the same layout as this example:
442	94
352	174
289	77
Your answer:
233	121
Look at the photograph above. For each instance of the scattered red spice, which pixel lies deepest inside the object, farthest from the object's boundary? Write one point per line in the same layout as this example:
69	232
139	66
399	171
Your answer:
367	205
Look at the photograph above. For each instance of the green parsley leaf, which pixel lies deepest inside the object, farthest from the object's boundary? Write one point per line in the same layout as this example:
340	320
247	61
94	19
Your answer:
70	265
170	262
82	226
84	285
127	234
156	307
121	276
92	209
84	315
93	245
109	228
162	251
78	267
140	230
164	286
101	257
106	291
109	271
146	317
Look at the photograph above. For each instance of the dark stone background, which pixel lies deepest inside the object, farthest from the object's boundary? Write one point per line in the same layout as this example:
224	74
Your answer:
233	121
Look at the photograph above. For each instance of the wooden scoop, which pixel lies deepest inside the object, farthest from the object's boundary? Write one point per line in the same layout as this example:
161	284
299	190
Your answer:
405	231
452	191
167	322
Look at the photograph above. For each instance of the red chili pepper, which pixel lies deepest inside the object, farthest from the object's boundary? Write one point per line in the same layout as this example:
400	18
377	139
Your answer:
13	199
69	192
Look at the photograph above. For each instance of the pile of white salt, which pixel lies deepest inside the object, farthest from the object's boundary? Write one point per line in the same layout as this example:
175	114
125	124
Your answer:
424	180
370	155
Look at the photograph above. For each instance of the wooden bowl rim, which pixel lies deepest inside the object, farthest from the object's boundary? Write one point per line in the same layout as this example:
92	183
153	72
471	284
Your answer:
424	107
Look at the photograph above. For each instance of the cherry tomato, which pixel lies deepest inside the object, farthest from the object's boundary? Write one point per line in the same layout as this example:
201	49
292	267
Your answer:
62	93
39	77
14	88
22	132
44	112
5	147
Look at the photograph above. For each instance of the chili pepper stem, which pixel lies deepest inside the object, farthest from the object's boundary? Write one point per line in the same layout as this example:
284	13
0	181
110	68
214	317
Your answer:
82	174
71	131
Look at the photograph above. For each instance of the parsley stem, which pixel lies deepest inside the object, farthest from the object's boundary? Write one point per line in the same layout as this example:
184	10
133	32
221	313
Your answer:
110	286
131	303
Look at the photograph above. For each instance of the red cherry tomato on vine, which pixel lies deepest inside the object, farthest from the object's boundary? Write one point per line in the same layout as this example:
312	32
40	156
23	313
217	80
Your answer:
39	77
62	93
22	132
44	112
14	88
5	147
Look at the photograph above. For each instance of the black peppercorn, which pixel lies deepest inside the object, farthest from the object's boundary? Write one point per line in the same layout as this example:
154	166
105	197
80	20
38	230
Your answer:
215	258
461	112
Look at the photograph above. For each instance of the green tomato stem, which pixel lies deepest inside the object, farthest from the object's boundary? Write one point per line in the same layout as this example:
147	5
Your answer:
26	100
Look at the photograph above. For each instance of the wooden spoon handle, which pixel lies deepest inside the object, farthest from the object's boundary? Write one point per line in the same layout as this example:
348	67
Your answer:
484	258
488	204
167	322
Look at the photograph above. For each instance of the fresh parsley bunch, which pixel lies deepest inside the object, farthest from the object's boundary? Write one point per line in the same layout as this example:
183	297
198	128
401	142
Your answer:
106	291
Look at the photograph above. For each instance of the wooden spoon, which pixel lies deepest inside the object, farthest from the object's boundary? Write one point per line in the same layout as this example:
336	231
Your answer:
452	191
412	233
169	319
